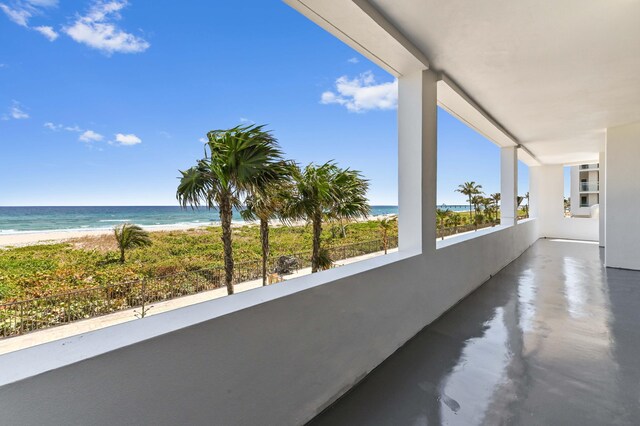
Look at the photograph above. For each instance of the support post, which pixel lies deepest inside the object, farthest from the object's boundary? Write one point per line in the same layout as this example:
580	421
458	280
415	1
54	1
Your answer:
508	185
622	197
417	152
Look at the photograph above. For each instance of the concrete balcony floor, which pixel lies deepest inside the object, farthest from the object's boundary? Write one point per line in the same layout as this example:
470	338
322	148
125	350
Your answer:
552	339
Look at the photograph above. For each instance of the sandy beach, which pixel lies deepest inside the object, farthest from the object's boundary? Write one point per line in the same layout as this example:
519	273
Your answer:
46	237
56	236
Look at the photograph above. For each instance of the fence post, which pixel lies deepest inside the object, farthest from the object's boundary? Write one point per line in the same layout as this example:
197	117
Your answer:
21	318
68	310
144	297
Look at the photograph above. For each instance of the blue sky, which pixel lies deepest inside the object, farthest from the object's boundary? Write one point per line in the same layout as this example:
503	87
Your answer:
102	102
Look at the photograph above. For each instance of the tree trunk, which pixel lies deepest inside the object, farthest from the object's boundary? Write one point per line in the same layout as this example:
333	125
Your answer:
226	213
385	241
470	209
264	237
317	230
122	255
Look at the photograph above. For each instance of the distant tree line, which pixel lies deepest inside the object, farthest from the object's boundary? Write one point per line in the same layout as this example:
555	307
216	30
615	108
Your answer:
483	210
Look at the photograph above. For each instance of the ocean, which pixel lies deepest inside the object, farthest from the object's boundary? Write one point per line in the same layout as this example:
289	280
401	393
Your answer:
17	220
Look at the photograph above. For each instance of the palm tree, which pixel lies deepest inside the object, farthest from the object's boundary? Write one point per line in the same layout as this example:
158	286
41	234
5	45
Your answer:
477	201
238	159
469	189
129	236
326	191
490	208
478	219
266	203
441	216
324	260
385	226
455	220
495	198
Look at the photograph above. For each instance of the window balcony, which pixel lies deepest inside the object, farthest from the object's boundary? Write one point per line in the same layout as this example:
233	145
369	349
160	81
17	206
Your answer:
589	186
589	166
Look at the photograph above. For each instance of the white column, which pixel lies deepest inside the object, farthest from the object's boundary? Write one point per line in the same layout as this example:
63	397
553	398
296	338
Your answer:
622	182
417	144
508	185
575	192
546	185
603	197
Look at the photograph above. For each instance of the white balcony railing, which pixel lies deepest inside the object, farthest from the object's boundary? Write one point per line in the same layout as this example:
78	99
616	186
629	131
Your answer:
589	166
589	186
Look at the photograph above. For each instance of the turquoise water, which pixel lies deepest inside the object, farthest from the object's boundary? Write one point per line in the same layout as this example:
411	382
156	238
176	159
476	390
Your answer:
14	220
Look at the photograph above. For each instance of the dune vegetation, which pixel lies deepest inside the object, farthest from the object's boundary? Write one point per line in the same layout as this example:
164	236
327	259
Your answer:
41	270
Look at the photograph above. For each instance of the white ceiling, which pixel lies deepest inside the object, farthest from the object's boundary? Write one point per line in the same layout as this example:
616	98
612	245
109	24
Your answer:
554	74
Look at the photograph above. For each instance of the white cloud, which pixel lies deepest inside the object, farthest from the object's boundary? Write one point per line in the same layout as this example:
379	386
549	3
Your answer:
90	136
51	126
48	32
128	140
362	94
203	140
245	120
43	3
15	112
21	11
353	60
18	15
55	127
164	134
97	30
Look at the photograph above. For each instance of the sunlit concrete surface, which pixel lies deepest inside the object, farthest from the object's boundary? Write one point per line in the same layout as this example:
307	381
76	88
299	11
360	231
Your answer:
552	339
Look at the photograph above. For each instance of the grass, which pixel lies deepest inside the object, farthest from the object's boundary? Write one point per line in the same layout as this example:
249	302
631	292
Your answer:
41	270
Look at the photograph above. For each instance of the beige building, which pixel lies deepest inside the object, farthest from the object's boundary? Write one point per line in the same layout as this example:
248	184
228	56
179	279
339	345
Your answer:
585	190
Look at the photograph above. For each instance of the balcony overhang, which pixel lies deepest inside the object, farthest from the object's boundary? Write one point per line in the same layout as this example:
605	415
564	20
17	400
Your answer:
556	75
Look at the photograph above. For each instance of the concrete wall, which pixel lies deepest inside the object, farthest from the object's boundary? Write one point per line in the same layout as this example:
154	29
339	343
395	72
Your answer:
274	363
622	157
547	195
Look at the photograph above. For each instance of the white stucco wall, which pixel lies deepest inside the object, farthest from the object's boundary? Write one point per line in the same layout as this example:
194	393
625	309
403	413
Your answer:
622	157
547	195
274	363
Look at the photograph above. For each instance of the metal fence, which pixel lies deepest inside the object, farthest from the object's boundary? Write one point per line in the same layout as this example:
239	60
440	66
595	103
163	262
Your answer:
448	231
24	316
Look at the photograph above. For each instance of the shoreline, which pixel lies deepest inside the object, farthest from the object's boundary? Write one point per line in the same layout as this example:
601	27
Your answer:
29	238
